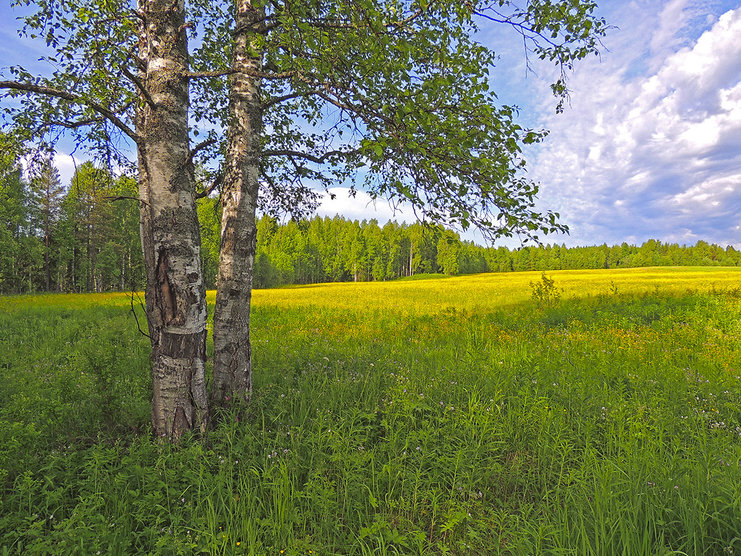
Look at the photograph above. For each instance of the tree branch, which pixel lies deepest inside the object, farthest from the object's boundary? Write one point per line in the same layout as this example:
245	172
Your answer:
521	28
199	147
72	125
140	86
218	180
308	156
71	97
124	197
277	100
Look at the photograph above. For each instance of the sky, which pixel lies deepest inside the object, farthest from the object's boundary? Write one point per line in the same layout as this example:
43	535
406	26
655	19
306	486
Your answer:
649	146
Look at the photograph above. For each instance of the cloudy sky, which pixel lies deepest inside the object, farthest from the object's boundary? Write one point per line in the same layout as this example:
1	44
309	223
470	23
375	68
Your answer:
650	146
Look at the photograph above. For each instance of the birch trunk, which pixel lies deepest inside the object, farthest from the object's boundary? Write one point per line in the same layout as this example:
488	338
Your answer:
232	350
175	292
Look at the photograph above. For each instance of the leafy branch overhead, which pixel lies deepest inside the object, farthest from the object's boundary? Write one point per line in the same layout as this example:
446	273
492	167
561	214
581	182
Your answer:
401	91
396	92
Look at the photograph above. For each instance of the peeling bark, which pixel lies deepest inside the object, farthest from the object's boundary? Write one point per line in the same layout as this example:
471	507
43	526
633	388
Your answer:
232	350
175	294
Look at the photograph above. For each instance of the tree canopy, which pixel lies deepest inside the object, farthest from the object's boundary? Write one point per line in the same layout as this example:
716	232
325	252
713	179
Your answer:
395	92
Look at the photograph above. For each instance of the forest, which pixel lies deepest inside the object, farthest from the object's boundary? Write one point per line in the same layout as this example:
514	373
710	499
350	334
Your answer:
84	237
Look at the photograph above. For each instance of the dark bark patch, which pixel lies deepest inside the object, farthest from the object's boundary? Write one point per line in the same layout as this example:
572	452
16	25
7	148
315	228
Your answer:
180	424
184	346
167	301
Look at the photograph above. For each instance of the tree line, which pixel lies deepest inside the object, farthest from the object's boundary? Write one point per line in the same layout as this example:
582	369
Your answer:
80	238
85	238
338	249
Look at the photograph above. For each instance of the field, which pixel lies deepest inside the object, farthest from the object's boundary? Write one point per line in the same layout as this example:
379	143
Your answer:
492	414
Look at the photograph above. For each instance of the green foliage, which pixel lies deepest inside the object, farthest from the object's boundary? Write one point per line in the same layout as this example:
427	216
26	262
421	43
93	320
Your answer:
399	90
84	237
545	292
607	424
91	242
337	249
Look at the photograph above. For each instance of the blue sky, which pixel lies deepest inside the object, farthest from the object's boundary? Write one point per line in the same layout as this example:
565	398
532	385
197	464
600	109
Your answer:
650	146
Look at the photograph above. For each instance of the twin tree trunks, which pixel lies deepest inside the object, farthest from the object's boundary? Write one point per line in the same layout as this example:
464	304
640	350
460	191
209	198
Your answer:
175	294
452	160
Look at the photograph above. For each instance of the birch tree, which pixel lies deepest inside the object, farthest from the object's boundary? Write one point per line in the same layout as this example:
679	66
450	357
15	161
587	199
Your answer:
399	90
277	99
122	79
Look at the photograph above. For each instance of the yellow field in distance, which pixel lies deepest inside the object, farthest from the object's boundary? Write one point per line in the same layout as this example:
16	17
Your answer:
479	292
482	292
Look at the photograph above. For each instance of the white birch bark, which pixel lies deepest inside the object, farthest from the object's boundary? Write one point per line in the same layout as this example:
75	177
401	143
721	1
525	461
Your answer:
175	295
232	351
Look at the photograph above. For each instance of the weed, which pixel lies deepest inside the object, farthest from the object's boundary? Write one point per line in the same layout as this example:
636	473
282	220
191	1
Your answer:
545	292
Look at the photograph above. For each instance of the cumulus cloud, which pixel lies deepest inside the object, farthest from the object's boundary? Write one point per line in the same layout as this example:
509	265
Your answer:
66	166
653	152
362	207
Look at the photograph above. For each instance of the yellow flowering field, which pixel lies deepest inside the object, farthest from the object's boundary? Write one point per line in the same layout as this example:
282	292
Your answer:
485	292
576	412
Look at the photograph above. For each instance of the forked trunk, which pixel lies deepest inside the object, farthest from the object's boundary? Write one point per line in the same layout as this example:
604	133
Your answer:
175	294
232	351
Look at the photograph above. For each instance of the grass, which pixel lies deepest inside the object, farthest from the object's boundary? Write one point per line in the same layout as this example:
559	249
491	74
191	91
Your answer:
441	416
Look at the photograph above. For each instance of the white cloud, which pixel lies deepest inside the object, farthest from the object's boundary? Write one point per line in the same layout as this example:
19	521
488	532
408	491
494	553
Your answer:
654	151
362	207
672	18
66	166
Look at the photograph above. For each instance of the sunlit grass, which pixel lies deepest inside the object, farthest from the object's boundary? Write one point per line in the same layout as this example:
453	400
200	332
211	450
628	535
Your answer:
441	416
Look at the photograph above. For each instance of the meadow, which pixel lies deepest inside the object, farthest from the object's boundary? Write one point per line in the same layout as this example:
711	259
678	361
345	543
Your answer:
582	412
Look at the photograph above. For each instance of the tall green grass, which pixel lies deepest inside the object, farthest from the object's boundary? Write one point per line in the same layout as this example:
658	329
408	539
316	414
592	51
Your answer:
485	421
